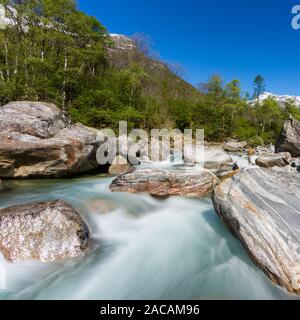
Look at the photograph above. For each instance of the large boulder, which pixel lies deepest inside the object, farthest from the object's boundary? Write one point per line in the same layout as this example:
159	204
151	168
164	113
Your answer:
38	140
289	139
261	207
46	231
162	183
274	160
32	119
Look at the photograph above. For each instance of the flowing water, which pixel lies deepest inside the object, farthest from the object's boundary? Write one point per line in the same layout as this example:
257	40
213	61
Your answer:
144	248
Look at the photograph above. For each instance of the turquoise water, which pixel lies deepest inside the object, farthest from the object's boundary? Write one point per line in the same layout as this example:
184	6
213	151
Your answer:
143	248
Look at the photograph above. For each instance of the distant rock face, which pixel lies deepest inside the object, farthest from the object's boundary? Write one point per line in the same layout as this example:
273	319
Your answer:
274	160
42	231
282	100
289	139
37	140
261	207
122	42
163	183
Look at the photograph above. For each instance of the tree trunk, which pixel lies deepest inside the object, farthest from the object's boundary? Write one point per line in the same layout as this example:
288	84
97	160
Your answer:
6	61
64	95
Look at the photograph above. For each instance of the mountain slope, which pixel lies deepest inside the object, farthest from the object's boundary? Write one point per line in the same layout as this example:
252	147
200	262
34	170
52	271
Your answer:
160	79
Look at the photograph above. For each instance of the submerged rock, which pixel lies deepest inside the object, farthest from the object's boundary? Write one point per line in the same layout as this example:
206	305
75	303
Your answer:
289	139
261	207
45	231
38	140
100	206
120	166
274	160
161	183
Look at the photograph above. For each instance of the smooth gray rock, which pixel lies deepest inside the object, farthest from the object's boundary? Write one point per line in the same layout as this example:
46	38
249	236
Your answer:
233	146
274	160
262	208
38	140
162	183
214	158
261	150
289	139
46	231
37	119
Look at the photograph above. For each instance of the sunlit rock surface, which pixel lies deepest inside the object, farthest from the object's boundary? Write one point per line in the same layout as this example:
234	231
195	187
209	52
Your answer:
289	139
274	160
38	140
122	42
162	183
262	208
235	146
45	231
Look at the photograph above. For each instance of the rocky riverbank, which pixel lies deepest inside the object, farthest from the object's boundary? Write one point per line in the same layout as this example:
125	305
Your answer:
38	140
255	191
261	207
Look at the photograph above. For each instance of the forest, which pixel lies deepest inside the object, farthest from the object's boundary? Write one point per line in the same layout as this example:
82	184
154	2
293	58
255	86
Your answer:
53	52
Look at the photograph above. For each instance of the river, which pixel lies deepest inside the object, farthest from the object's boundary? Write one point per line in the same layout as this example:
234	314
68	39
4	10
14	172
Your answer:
143	248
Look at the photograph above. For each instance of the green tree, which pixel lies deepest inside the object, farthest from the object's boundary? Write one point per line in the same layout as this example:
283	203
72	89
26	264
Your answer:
259	86
233	89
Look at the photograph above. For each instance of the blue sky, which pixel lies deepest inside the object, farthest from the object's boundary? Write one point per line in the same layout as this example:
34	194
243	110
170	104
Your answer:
235	38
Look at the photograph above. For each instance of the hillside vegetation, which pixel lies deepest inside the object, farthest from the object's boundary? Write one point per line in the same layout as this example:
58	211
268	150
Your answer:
53	52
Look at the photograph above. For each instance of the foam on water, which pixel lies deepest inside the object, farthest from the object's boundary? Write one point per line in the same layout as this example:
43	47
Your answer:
144	248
